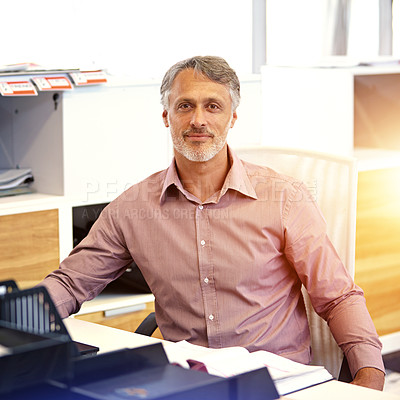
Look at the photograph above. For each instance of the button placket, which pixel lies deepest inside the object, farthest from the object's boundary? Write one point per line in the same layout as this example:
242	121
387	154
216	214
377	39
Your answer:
205	273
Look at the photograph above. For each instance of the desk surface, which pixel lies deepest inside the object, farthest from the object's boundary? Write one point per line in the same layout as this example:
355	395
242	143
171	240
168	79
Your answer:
104	337
109	339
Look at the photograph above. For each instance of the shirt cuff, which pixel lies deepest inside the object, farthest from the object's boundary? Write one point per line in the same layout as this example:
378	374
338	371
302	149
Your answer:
364	355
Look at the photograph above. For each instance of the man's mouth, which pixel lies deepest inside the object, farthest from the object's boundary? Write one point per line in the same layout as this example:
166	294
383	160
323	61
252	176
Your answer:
197	136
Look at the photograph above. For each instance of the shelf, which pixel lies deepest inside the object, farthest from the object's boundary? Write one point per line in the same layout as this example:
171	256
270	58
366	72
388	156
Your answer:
333	110
28	203
376	70
373	159
354	69
41	201
108	302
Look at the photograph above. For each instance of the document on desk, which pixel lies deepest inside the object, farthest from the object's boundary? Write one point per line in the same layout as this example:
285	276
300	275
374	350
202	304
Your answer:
288	376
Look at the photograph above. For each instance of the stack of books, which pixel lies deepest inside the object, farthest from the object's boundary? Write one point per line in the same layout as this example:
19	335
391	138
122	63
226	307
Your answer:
15	181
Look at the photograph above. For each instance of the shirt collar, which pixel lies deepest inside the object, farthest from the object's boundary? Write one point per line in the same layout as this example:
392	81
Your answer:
236	179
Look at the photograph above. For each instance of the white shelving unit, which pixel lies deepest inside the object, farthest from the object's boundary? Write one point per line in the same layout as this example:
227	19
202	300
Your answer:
344	110
87	149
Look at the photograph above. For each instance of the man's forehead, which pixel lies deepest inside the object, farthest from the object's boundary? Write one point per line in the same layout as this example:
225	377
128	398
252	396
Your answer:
192	73
190	80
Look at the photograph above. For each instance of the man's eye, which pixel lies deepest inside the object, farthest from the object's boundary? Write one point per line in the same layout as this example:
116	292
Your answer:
213	107
184	106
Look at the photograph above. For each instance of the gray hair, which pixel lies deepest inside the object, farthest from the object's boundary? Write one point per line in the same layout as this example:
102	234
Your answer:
214	68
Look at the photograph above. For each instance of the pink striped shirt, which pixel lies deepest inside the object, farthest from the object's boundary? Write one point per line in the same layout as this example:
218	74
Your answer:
227	271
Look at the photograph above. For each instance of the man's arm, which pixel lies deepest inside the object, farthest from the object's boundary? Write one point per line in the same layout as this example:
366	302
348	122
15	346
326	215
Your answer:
333	293
99	258
354	331
370	377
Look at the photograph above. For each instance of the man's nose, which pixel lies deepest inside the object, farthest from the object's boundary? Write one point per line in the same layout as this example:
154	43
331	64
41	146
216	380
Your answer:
198	118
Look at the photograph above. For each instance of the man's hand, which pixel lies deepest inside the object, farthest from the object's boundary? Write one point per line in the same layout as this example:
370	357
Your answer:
372	378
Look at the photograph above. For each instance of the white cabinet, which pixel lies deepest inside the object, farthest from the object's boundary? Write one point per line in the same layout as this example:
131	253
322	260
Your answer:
86	148
336	110
94	141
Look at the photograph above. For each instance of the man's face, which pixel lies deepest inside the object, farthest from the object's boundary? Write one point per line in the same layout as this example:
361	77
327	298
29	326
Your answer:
200	115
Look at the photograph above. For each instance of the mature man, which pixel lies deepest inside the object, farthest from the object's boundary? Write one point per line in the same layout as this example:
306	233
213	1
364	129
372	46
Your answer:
224	255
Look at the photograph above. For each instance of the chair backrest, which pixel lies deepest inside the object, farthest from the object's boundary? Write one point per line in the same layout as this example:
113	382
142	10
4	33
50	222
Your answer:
333	181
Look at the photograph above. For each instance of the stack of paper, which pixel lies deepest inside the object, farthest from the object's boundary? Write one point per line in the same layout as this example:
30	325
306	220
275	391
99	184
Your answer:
15	181
288	376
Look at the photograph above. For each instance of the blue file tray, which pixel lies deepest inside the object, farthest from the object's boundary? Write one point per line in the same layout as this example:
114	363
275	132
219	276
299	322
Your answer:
35	343
30	310
29	358
144	373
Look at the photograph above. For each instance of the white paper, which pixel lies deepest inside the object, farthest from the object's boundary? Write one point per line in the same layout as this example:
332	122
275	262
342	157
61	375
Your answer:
11	178
287	375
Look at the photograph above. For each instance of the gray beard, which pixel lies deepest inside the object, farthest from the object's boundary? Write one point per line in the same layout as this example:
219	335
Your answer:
202	152
199	152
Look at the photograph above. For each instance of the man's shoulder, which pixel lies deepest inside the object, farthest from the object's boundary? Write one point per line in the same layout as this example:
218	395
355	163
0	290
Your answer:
270	183
256	171
146	188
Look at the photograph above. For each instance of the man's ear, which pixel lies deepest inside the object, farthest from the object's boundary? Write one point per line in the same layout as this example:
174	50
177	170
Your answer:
234	118
165	118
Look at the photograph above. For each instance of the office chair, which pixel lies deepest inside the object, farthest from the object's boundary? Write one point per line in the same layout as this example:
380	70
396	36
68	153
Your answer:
148	326
332	180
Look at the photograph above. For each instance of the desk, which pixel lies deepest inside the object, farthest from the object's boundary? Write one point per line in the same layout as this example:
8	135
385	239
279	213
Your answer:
334	390
109	339
105	337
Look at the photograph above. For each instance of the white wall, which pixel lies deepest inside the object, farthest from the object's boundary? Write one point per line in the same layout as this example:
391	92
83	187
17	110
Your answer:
128	37
143	38
301	32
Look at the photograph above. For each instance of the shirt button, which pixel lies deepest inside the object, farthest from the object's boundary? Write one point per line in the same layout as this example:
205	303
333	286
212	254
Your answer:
206	280
211	317
200	207
203	242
